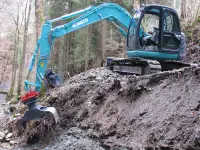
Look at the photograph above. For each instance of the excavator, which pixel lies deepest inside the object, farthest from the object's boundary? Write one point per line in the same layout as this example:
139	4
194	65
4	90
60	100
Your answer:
154	43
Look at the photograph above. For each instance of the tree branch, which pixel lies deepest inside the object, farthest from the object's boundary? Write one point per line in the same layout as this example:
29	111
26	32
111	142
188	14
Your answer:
3	92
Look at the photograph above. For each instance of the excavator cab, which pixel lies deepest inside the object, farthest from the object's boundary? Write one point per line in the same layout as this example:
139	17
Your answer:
155	33
154	42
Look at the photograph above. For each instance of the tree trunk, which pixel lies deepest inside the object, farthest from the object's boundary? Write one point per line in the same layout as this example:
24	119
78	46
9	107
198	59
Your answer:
4	68
15	54
65	58
68	53
136	4
3	92
61	62
55	55
39	17
21	69
177	6
102	44
87	45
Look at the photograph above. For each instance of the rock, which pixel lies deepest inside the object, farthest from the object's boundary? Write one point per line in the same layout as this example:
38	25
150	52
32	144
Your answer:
8	139
13	142
2	135
6	131
9	135
5	146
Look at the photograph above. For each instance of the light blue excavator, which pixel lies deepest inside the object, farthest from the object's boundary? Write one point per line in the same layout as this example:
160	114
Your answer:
154	43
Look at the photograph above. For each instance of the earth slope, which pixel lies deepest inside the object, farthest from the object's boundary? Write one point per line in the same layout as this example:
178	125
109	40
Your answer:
159	111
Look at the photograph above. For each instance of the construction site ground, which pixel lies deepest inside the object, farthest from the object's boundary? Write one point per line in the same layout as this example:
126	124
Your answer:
103	110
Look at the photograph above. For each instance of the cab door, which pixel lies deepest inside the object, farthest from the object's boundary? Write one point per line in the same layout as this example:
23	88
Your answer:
170	32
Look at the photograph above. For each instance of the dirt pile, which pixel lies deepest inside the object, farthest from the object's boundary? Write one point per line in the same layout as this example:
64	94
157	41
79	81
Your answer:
159	111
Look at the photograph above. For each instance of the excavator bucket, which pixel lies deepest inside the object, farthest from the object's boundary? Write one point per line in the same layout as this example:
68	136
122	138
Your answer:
35	112
51	113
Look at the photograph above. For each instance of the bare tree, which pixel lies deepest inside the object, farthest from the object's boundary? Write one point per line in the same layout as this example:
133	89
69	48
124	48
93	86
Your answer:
67	65
26	24
4	67
3	4
102	43
190	10
136	4
15	50
39	15
87	48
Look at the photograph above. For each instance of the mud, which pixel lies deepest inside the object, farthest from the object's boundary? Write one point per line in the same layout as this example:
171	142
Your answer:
159	111
71	139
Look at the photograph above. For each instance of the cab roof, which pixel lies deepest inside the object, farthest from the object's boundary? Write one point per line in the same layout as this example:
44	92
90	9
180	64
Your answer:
156	9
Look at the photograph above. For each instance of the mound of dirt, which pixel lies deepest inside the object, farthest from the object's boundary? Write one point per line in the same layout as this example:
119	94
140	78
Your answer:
158	111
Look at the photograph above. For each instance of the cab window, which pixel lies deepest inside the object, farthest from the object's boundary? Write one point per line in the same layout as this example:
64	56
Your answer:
170	22
149	22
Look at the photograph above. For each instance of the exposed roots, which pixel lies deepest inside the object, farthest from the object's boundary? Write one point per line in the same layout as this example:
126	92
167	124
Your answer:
37	129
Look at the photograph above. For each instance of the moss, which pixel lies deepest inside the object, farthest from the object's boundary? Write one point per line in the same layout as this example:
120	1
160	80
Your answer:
198	19
188	33
190	28
42	91
42	20
11	91
14	101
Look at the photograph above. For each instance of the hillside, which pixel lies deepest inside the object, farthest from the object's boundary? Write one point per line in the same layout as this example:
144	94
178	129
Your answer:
159	111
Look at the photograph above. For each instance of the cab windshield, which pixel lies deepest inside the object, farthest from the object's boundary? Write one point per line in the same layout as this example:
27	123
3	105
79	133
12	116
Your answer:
149	22
132	30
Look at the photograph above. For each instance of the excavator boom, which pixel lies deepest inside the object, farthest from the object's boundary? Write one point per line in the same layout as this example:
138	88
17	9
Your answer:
106	11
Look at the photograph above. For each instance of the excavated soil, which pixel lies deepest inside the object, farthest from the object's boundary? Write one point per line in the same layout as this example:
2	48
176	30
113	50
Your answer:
112	111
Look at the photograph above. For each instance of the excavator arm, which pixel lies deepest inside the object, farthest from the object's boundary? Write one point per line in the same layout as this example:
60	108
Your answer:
106	11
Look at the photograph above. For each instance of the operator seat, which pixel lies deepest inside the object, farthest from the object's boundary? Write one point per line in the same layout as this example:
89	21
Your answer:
151	42
155	36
